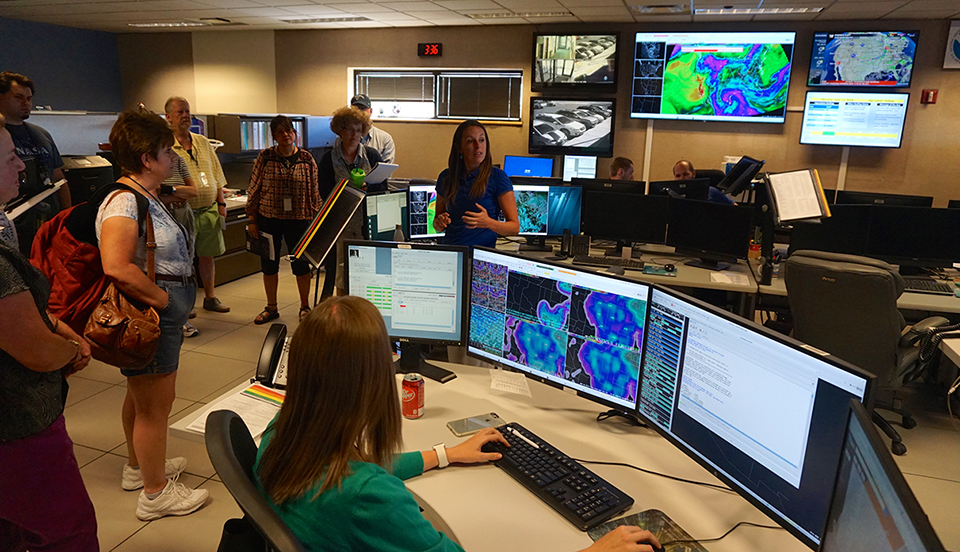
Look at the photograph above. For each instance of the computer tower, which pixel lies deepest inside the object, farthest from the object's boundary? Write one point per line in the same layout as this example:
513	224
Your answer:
85	175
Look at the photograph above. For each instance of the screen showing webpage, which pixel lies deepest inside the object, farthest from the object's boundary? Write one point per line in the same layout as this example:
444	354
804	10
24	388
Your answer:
854	119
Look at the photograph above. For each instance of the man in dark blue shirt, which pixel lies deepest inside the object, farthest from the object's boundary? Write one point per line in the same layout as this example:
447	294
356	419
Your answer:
684	170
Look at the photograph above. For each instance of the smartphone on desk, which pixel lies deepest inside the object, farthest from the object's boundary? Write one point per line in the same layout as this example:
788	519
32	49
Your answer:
468	426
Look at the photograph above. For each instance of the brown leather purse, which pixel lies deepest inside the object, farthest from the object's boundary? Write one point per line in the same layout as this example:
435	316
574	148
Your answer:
121	333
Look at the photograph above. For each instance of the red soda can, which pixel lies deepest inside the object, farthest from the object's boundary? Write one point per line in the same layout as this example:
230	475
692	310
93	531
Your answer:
412	396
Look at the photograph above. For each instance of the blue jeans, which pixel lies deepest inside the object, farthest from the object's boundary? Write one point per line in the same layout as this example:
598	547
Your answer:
172	319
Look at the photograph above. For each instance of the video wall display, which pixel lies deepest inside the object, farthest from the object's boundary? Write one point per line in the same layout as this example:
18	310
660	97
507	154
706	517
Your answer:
571	127
863	58
712	76
575	61
854	119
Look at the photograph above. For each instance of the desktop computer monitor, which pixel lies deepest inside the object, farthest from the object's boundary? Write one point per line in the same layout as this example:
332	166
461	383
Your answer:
547	211
627	186
624	216
873	508
517	165
697	188
847	230
717	233
759	410
953	204
567	327
422	205
876	198
914	236
420	289
385	211
579	166
740	176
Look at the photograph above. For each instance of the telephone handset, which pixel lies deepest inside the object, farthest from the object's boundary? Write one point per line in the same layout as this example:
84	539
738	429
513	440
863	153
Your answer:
272	367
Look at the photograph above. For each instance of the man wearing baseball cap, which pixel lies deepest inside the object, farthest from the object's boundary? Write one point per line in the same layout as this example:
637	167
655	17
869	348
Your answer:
377	139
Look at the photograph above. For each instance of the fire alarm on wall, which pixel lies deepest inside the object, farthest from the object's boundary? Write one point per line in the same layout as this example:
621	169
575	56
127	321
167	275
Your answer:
928	97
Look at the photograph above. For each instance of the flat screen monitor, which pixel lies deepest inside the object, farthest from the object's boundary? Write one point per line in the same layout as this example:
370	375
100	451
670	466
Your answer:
554	324
696	188
516	165
752	406
873	507
712	76
847	230
624	216
385	212
953	204
625	186
571	127
571	62
717	233
877	198
579	166
548	210
740	176
863	58
854	119
911	236
422	204
420	290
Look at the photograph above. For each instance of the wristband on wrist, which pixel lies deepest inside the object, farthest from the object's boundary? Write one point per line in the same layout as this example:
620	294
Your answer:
441	455
222	204
78	355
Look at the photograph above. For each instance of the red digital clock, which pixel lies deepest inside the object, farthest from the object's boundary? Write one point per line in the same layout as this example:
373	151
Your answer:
430	49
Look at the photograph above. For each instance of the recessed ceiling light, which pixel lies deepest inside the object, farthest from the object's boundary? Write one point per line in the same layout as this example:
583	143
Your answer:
661	9
754	11
325	20
507	15
168	24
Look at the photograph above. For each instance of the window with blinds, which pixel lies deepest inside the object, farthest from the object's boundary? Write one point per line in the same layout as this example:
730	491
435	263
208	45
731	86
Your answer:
442	94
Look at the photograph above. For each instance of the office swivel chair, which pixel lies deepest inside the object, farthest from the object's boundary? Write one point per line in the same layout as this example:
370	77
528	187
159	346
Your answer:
715	175
233	453
847	305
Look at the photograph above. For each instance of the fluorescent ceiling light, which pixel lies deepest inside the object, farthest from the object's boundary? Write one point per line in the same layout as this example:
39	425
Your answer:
325	20
169	24
661	9
506	15
754	11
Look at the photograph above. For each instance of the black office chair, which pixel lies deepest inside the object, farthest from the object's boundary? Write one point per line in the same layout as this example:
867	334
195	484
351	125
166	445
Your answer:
715	175
847	305
233	453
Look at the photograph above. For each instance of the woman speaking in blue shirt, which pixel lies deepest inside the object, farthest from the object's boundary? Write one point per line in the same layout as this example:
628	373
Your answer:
472	193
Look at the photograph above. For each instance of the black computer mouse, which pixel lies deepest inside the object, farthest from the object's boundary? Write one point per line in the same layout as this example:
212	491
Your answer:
616	270
669	268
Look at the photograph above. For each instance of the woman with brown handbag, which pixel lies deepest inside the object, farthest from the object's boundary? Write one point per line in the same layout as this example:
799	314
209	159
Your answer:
142	145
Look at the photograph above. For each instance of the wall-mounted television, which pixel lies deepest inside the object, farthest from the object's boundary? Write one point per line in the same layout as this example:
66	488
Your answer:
571	127
587	61
863	58
712	76
854	119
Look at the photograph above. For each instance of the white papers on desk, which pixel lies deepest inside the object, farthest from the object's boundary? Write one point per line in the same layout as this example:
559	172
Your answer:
256	413
730	278
510	382
30	203
380	173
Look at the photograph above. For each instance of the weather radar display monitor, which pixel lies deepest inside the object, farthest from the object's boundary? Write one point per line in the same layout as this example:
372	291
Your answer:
754	407
422	206
712	76
854	119
873	508
563	326
419	289
863	58
574	62
546	211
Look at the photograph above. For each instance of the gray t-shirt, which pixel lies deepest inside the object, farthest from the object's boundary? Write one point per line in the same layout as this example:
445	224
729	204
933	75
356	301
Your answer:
171	257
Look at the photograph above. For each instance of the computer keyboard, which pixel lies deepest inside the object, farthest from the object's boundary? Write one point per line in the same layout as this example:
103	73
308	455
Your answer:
607	261
575	492
926	285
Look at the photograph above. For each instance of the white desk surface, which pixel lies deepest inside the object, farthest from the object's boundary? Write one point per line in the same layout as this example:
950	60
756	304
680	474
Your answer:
489	510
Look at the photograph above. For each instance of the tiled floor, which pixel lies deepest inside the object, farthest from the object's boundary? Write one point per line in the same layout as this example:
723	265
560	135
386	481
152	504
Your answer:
225	353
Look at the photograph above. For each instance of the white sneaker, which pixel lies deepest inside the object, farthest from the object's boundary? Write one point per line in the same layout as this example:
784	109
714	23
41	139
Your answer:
189	330
132	480
176	499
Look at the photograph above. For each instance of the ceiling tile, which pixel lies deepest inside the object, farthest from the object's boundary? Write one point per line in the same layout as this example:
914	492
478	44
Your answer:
864	9
627	18
594	3
557	19
391	16
358	7
315	10
229	3
663	18
409	7
925	14
467	5
264	12
418	23
604	10
531	5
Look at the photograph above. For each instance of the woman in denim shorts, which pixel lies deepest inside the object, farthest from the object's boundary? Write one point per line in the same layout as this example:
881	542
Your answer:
141	142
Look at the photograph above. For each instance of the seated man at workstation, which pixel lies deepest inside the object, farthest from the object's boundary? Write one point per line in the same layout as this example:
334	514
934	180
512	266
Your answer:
621	168
684	170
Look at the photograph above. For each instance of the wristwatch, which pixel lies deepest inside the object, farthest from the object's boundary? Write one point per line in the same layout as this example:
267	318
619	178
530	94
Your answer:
441	455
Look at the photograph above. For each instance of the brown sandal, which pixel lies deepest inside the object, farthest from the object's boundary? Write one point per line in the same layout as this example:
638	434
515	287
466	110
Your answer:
267	315
304	311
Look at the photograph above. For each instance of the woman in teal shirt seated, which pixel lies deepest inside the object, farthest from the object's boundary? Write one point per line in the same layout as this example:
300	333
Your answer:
329	463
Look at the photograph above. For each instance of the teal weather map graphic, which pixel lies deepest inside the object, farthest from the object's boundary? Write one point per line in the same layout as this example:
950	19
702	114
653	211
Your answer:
875	58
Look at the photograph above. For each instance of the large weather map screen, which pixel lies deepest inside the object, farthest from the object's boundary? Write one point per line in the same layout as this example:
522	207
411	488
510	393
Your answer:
863	59
712	76
576	329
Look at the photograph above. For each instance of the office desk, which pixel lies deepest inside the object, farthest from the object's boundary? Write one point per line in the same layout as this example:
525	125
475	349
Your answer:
488	510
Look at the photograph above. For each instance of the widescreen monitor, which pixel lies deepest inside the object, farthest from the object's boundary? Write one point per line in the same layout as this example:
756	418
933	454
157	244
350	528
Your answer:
385	212
516	165
846	230
571	127
846	197
752	406
573	62
420	290
914	236
854	119
716	233
550	322
579	166
422	204
740	77
863	58
873	508
695	188
626	217
548	210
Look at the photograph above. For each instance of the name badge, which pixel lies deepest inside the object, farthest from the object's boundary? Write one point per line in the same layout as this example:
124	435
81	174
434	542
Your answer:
288	204
203	180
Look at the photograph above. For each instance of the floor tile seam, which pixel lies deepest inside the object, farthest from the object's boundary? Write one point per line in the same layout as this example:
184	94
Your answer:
141	528
934	477
71	405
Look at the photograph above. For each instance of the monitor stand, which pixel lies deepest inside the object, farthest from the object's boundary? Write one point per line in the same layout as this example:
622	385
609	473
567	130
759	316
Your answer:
630	417
618	250
412	361
708	264
909	270
536	243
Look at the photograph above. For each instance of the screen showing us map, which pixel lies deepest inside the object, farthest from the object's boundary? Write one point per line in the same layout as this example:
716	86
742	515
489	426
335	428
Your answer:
577	329
712	76
881	58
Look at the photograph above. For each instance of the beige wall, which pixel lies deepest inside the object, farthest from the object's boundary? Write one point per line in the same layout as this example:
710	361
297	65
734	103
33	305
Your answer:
235	72
311	77
154	67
